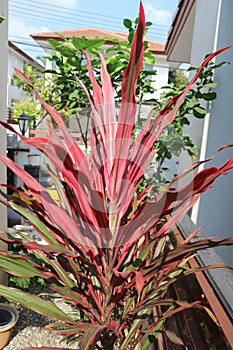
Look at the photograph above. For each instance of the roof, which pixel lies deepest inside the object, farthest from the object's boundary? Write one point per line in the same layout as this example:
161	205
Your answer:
88	33
180	20
26	56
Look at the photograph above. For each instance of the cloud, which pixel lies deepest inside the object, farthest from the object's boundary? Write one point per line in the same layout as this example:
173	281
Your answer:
19	34
157	15
19	28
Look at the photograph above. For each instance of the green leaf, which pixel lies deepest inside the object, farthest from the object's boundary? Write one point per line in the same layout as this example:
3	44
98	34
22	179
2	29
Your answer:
34	303
199	112
127	306
20	266
69	46
191	69
192	103
221	64
133	329
149	58
94	43
54	43
158	327
130	36
74	94
127	23
79	43
66	49
160	246
211	85
19	282
148	24
210	96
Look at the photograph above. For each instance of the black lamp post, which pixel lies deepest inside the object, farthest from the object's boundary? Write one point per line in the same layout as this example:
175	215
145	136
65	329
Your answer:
23	121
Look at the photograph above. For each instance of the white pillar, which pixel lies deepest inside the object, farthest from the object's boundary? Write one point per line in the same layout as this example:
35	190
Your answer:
3	107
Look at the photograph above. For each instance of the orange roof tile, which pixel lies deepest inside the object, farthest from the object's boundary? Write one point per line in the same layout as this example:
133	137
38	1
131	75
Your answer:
88	33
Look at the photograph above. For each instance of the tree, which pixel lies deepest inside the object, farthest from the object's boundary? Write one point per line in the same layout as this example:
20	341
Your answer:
178	77
28	106
43	85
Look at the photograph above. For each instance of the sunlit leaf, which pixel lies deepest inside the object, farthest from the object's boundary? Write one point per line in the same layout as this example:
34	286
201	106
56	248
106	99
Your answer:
34	303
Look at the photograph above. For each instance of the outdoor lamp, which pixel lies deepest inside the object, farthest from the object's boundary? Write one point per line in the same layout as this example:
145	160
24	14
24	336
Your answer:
23	121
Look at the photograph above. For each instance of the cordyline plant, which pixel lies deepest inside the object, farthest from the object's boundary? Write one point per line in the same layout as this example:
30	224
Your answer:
106	253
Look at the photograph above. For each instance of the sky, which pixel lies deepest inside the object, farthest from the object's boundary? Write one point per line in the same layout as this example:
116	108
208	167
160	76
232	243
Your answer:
32	16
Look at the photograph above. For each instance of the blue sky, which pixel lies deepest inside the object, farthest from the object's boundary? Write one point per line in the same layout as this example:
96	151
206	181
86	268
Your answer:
32	16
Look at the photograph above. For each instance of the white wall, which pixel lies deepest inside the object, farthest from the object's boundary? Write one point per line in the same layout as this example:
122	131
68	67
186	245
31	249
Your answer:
14	60
213	29
203	42
162	66
216	207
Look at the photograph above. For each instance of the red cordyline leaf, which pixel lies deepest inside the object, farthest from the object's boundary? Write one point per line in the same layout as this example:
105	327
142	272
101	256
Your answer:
105	122
91	337
62	161
134	66
173	337
79	327
180	252
126	116
100	99
103	209
87	203
139	281
121	174
91	203
151	212
57	214
151	131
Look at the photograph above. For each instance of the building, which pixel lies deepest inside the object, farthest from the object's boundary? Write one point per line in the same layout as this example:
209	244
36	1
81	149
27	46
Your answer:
198	28
15	150
16	58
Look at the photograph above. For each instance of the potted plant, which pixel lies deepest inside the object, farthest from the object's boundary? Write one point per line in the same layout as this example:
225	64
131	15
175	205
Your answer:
106	251
8	319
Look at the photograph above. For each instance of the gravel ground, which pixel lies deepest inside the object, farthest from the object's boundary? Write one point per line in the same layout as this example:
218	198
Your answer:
29	331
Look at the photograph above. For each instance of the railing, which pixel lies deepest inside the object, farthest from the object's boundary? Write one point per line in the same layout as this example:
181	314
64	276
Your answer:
42	133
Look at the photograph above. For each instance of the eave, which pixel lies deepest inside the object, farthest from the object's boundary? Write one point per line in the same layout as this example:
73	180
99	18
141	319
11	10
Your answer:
179	41
27	57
